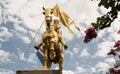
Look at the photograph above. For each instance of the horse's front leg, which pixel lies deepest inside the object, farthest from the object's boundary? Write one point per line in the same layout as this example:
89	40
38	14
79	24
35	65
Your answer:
49	64
52	50
61	57
45	59
60	61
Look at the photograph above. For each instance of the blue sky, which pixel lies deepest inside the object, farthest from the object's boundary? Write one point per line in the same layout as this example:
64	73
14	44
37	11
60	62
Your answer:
20	19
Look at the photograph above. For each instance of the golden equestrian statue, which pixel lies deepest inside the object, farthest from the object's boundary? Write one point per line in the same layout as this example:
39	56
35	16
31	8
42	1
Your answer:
52	41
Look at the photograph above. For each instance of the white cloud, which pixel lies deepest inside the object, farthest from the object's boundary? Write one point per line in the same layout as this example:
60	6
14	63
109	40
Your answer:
86	10
75	50
114	36
84	53
79	70
101	33
69	53
50	3
1	20
115	25
5	34
104	48
14	19
31	33
4	56
30	59
67	72
110	60
22	56
21	33
28	11
66	35
102	66
3	71
92	69
20	29
26	39
0	45
113	30
64	1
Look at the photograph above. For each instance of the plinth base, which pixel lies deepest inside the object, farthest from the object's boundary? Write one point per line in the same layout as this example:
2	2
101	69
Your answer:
38	72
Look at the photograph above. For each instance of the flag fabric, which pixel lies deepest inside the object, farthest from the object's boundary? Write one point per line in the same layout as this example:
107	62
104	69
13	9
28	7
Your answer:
40	56
64	18
56	10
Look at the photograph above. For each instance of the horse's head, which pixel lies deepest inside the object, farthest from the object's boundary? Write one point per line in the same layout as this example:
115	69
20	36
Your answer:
48	14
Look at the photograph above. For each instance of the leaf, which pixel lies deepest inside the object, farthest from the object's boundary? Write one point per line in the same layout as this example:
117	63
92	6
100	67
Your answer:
102	2
95	25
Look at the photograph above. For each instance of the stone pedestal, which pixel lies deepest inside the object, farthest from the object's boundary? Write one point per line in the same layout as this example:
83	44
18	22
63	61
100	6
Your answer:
38	72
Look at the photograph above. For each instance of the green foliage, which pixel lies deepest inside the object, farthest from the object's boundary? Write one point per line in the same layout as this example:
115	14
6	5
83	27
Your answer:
106	20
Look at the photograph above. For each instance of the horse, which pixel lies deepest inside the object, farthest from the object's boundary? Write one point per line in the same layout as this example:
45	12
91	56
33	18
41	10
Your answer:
53	43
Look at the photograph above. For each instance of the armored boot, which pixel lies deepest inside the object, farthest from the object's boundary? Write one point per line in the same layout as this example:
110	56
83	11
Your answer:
65	46
36	47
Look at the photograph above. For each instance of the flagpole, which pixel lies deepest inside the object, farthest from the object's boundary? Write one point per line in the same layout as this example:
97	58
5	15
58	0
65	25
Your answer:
30	44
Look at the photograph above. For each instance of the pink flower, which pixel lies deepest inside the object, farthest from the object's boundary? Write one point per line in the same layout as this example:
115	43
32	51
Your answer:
117	44
115	65
118	32
118	55
90	34
113	70
111	52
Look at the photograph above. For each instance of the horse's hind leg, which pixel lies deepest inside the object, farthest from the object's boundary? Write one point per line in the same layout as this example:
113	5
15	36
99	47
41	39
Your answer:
47	64
45	59
60	63
61	57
